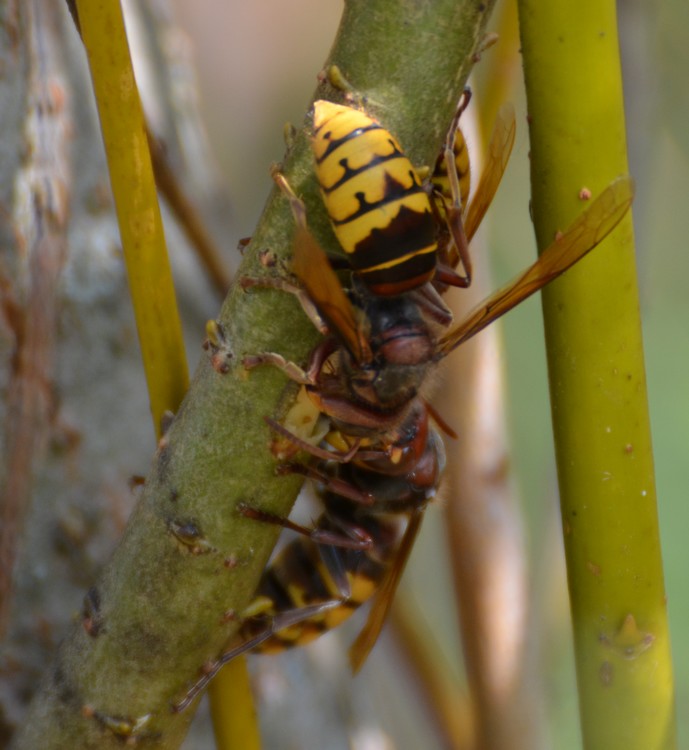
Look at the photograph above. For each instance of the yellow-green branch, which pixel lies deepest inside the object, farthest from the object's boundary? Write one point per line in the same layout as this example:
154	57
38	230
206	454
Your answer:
188	557
598	390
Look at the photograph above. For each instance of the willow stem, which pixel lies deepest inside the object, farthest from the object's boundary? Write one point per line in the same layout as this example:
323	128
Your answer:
597	382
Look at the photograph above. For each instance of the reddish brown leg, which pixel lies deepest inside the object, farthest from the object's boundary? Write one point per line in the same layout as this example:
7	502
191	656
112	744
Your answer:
431	302
323	453
444	426
274	625
284	285
332	484
308	376
354	537
453	211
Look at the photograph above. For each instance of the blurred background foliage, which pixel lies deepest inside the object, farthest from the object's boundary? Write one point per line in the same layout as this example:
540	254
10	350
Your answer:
256	66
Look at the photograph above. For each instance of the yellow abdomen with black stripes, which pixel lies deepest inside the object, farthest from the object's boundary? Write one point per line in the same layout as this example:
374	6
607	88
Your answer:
378	208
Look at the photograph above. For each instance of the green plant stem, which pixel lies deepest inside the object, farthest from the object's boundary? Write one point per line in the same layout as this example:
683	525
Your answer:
597	380
187	558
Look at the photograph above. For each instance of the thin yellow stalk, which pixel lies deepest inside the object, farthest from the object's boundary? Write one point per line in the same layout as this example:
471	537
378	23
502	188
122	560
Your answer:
138	213
126	140
597	382
235	723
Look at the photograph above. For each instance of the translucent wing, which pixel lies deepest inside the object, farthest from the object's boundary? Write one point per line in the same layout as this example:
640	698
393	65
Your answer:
381	604
587	230
312	267
499	151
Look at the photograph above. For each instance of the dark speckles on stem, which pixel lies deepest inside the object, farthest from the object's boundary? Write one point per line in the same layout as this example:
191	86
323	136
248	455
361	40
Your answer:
92	619
593	568
163	460
267	258
124	726
135	481
230	616
190	536
63	687
605	673
166	420
219	347
58	676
